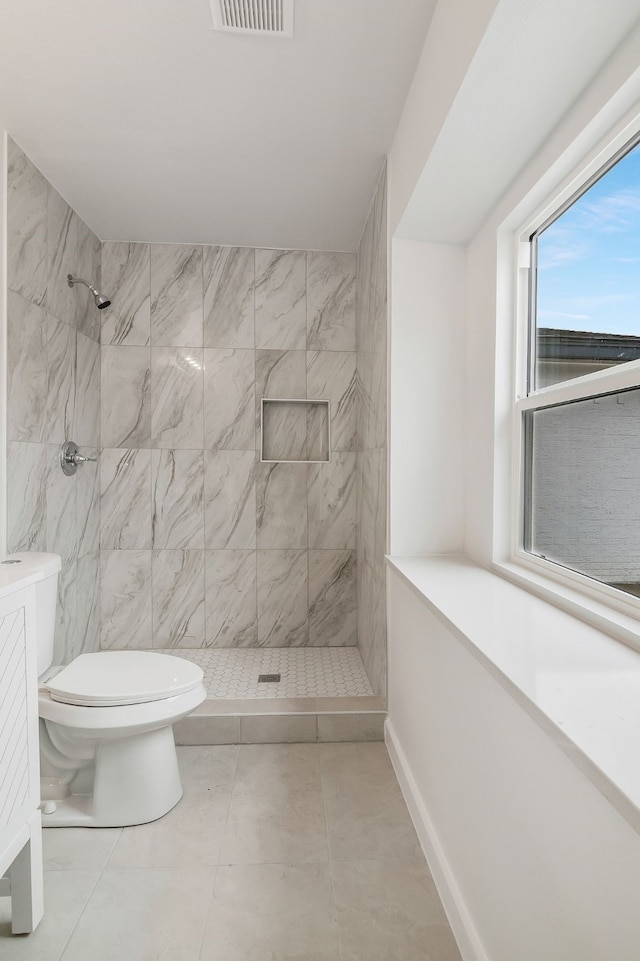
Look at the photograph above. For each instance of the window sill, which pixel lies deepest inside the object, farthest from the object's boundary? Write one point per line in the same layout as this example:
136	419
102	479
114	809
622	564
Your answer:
577	682
614	613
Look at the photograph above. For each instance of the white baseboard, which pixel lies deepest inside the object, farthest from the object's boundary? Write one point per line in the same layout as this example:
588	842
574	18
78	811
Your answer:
459	918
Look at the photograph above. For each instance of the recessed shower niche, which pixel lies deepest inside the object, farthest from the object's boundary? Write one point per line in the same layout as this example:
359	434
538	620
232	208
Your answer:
294	431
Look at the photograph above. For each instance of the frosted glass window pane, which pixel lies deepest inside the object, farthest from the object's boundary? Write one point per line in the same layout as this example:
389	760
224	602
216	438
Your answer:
582	507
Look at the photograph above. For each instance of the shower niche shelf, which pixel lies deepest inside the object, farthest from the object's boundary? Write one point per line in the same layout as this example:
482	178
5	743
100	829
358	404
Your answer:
295	431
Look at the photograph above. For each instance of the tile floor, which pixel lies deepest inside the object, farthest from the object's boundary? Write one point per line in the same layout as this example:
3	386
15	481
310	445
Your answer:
278	852
305	672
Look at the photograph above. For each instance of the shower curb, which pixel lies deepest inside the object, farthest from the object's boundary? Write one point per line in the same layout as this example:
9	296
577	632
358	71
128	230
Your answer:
283	720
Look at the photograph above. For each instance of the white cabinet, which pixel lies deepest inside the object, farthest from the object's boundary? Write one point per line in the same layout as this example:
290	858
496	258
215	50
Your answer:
20	824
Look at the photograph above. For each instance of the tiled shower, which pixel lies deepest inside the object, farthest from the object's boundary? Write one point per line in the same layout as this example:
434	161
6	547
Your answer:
181	537
224	550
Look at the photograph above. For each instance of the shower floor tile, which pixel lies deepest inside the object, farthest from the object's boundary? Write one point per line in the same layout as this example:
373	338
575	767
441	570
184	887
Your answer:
304	672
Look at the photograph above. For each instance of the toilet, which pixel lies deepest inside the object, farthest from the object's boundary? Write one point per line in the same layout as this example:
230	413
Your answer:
107	752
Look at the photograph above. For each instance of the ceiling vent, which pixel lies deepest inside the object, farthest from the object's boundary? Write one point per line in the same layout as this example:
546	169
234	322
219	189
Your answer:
266	17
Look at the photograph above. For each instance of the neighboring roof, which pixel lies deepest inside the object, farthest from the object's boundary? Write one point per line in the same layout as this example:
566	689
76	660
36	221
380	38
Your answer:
555	344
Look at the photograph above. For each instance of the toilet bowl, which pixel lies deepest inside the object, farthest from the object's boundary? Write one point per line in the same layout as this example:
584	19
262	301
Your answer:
107	754
108	757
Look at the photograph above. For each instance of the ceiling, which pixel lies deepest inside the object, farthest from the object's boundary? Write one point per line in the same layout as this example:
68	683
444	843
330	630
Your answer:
154	127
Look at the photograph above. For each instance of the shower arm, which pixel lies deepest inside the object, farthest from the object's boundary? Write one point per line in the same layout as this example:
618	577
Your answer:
71	280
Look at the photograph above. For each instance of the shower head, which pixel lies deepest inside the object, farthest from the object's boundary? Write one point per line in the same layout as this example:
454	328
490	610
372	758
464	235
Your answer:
99	299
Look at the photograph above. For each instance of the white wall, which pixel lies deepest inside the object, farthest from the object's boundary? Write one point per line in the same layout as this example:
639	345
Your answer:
443	64
533	862
609	106
3	340
426	409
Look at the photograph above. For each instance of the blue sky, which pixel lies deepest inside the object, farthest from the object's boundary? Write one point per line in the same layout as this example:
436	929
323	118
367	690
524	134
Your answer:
589	259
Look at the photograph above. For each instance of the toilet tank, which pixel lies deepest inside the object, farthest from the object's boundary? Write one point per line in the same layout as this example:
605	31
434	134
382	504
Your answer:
41	571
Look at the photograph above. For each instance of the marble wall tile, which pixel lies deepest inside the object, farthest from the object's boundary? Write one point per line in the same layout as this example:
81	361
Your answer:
64	639
359	403
364	289
332	503
318	433
365	400
229	399
331	301
379	398
376	657
125	599
372	624
87	256
62	301
371	389
331	375
332	599
126	279
372	372
26	497
230	499
280	299
177	385
379	252
86	430
176	295
371	503
171	405
285	431
177	498
126	397
280	373
88	604
61	508
231	599
178	599
48	511
285	729
361	535
281	512
26	370
283	598
379	328
88	505
380	526
61	380
26	227
229	275
125	499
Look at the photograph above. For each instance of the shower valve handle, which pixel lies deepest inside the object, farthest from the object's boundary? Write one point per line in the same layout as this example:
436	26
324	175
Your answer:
70	458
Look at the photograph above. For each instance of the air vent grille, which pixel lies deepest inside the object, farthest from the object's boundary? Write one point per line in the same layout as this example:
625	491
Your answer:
273	17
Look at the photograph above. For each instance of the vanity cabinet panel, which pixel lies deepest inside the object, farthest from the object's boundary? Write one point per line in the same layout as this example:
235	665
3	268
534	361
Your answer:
20	822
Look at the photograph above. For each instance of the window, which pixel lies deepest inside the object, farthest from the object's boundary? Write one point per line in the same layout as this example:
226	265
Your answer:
579	415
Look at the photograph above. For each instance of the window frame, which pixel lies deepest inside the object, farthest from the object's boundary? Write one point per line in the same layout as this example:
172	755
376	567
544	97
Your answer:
524	565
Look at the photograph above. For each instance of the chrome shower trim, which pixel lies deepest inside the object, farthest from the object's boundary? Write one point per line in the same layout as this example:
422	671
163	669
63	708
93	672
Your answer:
100	300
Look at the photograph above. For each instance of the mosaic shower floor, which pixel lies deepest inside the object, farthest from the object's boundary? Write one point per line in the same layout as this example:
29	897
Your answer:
304	672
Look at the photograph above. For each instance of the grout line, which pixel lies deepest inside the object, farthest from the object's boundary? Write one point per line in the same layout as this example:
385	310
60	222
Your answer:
87	902
207	913
334	902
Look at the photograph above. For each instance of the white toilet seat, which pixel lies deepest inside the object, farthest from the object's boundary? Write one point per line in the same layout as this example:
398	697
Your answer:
122	678
121	720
